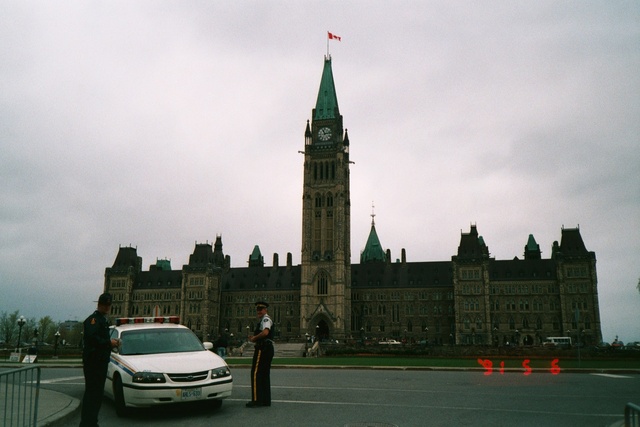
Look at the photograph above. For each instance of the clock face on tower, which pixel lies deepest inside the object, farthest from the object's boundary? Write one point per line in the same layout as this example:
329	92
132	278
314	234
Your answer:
324	134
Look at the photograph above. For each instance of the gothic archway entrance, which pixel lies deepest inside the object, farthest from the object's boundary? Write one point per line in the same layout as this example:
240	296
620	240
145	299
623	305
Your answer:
322	331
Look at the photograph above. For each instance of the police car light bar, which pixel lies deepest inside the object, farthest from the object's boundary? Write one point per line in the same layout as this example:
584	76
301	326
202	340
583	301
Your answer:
165	319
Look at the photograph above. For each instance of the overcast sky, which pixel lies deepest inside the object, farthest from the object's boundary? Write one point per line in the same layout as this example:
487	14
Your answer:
161	124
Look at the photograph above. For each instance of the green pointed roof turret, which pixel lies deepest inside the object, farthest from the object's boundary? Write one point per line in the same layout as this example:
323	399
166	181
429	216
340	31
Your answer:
373	251
327	103
307	132
532	244
532	249
256	259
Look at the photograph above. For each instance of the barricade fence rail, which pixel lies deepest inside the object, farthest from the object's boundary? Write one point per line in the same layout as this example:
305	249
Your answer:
19	392
631	415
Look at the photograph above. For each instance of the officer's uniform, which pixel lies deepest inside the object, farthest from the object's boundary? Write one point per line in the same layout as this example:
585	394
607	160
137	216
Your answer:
96	353
261	366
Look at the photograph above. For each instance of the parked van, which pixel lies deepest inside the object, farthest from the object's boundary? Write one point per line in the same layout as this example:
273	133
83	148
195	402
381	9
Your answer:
557	342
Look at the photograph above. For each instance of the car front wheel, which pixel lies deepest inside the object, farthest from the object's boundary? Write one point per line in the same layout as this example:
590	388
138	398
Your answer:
118	397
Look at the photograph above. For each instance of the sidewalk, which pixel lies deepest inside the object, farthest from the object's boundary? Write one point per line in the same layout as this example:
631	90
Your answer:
53	407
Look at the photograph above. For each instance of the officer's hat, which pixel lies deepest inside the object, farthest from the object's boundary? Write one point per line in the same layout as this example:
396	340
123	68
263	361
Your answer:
261	304
105	299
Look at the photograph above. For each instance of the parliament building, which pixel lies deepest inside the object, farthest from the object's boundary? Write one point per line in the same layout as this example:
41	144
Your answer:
469	299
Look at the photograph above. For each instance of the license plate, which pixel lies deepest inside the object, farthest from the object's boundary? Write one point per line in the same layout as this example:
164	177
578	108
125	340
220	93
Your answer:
191	393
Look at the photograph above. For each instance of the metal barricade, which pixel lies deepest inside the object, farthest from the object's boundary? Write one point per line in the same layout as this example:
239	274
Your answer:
631	415
19	391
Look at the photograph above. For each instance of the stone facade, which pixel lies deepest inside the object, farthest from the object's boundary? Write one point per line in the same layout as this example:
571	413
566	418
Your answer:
470	299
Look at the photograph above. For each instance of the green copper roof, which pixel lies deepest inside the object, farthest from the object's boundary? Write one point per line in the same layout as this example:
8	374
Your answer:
327	104
373	250
163	264
531	244
255	255
256	259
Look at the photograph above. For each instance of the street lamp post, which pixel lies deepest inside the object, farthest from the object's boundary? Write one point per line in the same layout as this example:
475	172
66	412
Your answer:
35	340
426	336
55	346
21	322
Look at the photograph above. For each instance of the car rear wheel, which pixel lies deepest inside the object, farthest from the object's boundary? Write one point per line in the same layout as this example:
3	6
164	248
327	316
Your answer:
118	397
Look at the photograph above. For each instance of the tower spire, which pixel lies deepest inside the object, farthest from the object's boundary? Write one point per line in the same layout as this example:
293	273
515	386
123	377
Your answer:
373	214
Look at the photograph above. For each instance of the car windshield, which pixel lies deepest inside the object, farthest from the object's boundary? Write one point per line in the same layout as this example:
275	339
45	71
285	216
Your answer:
159	340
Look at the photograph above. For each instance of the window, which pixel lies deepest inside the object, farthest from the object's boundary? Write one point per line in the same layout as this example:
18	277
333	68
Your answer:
322	284
395	312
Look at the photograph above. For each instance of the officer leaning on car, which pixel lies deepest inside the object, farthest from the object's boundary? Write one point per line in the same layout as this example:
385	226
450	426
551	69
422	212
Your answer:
96	352
262	356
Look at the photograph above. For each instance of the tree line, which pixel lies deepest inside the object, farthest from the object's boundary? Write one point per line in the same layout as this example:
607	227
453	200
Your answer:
43	331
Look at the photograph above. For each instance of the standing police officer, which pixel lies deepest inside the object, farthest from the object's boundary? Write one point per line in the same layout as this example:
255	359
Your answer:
96	353
262	356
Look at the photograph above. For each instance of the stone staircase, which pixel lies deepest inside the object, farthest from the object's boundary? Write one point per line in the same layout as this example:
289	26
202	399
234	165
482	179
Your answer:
285	349
282	349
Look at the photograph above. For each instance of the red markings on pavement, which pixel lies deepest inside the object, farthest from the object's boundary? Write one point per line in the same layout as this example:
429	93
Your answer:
488	366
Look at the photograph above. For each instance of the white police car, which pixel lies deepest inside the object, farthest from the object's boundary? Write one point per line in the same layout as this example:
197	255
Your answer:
160	361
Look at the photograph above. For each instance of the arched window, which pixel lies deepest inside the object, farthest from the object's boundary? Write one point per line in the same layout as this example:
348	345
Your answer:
478	323
322	283
587	322
512	323
467	323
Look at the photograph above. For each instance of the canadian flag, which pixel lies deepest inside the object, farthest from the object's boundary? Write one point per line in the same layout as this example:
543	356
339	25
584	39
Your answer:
334	37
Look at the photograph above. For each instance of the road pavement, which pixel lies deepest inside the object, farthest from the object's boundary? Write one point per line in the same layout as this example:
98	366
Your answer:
55	408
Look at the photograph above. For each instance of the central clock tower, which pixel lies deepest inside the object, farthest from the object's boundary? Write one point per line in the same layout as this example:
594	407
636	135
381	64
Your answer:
325	288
